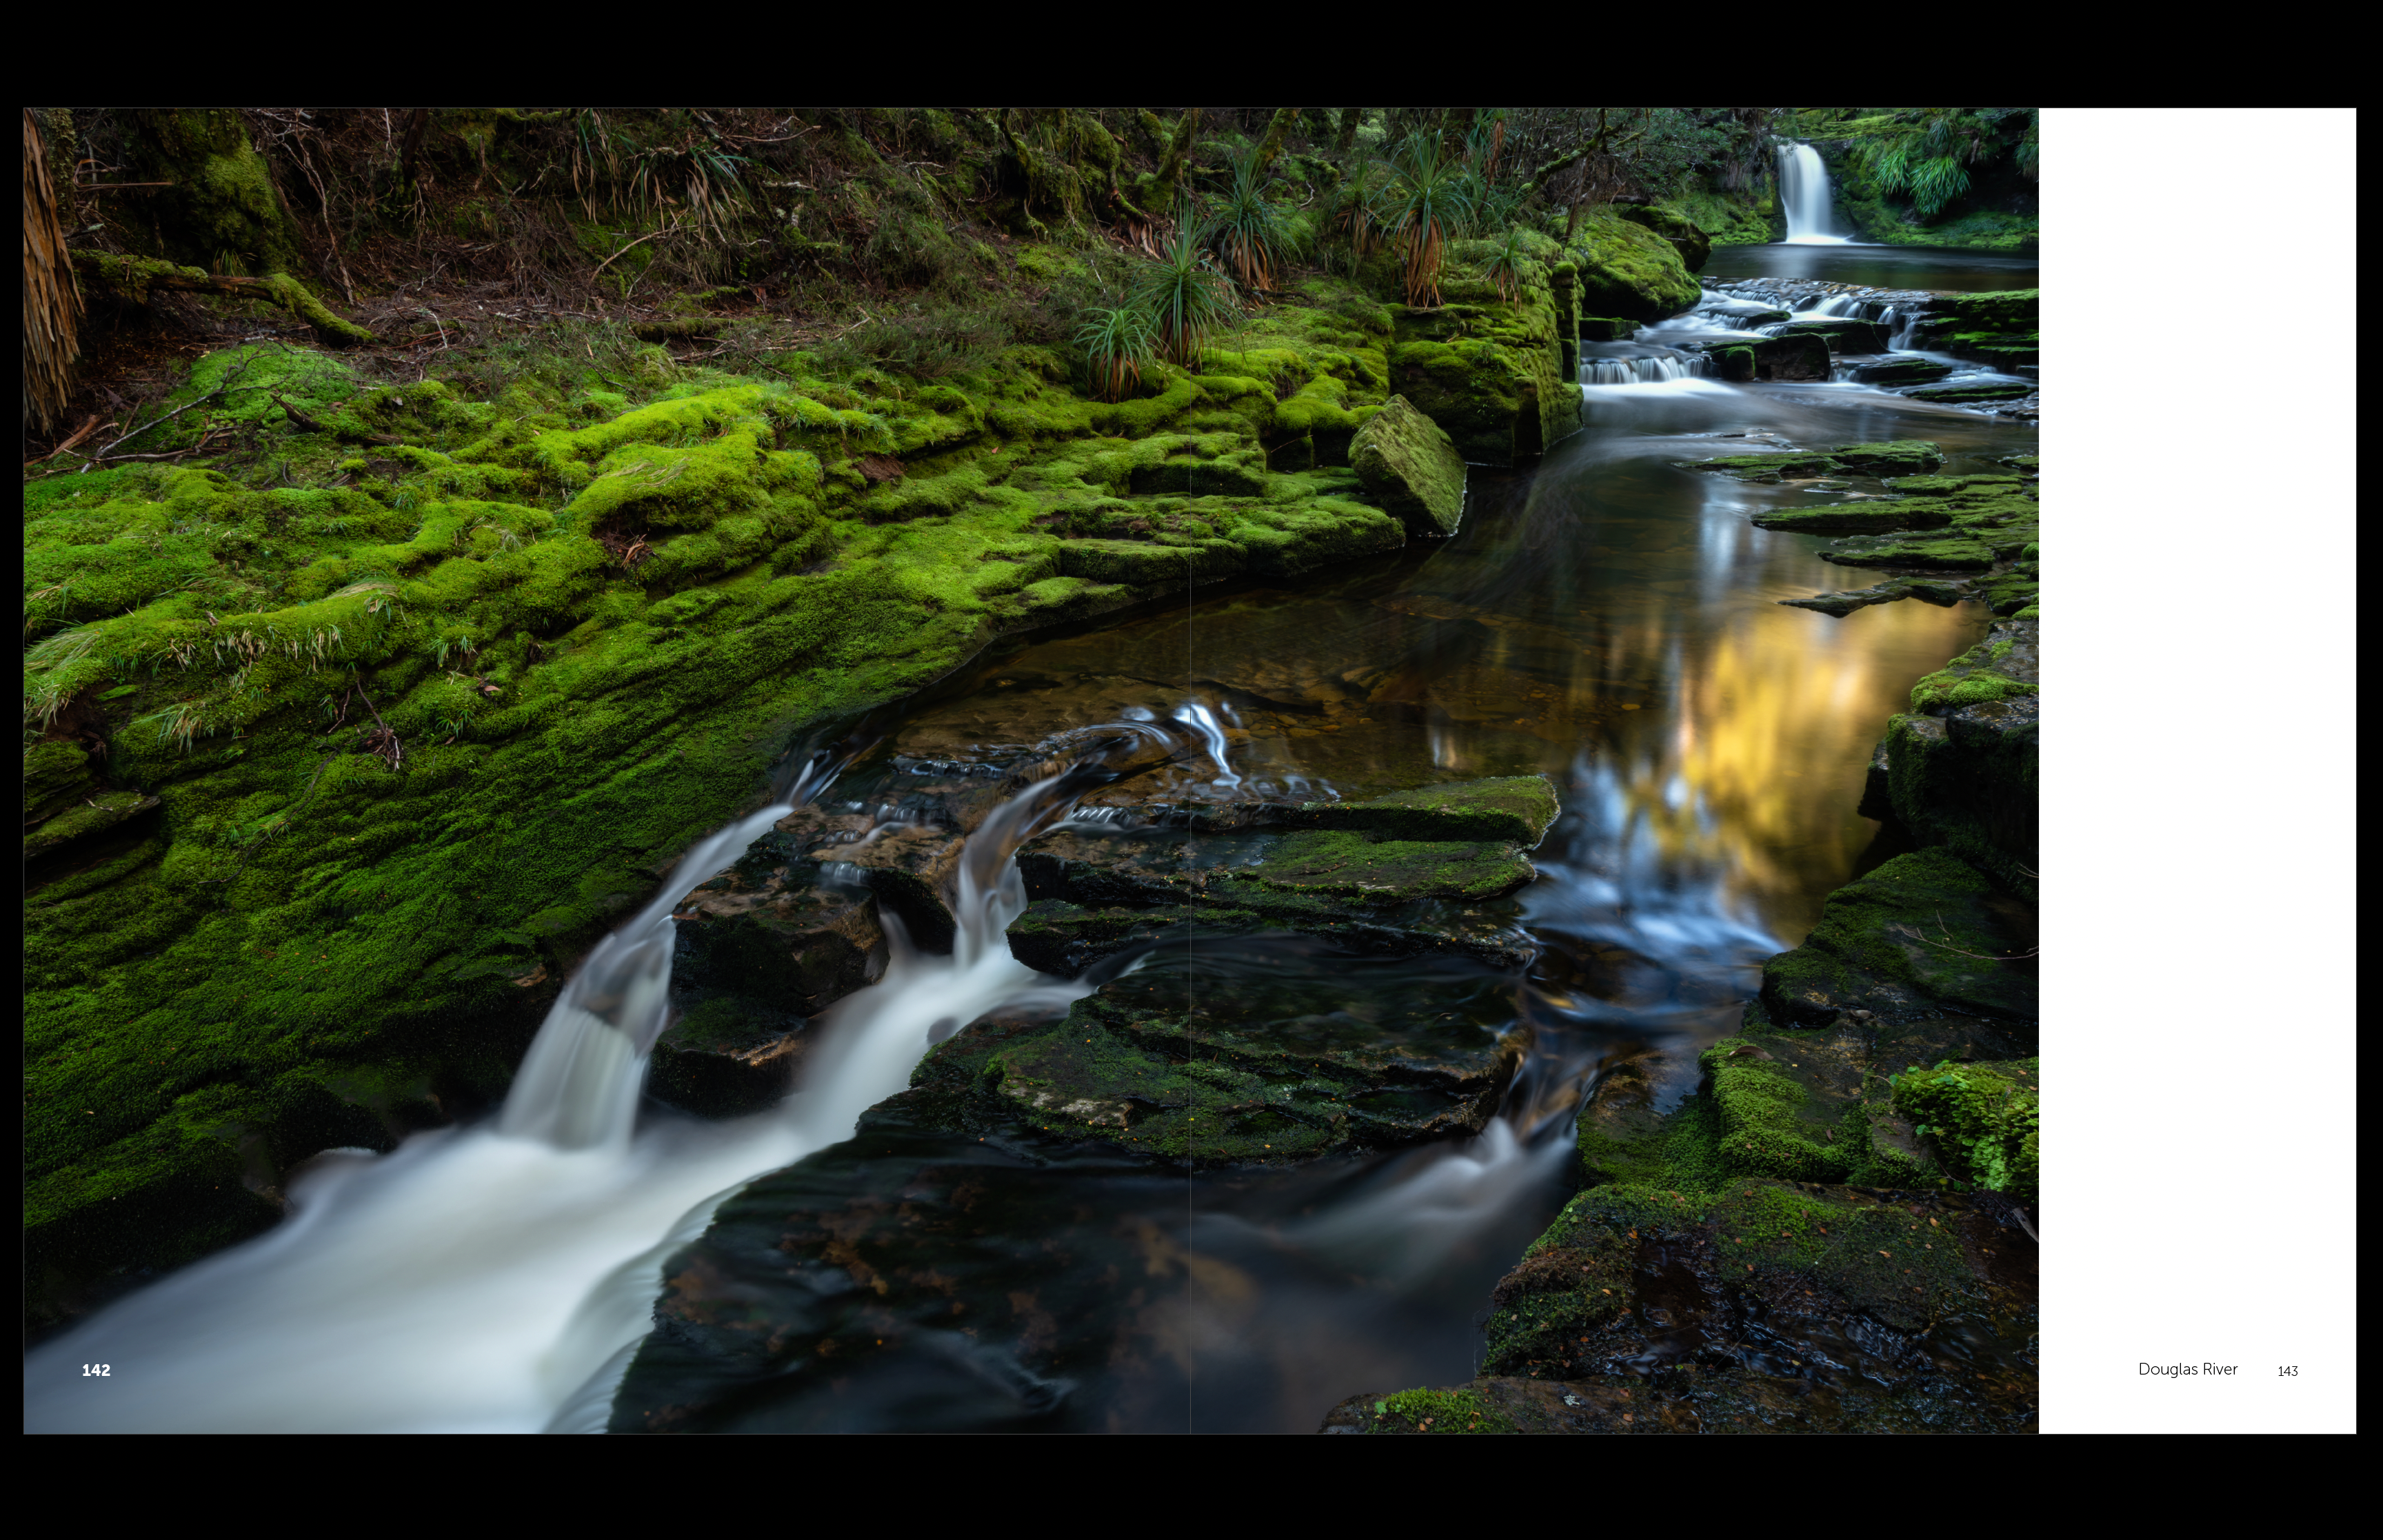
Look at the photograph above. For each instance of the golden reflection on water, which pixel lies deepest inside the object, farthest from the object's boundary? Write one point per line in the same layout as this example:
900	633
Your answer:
1615	618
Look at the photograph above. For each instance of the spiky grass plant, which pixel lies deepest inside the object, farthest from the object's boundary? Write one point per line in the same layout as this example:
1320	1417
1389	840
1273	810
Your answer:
1505	268
1428	201
1187	300
1118	344
1246	230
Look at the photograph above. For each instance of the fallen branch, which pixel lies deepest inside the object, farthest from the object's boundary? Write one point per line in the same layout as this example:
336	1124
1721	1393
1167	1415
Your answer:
625	249
137	278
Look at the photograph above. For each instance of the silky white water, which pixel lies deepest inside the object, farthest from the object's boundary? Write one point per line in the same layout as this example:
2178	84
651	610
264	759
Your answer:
1804	197
496	1279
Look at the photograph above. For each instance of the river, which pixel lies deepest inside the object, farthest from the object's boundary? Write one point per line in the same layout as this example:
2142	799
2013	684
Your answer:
1605	617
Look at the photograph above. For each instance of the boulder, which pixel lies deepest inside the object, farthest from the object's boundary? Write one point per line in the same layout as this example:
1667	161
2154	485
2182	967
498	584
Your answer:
1693	244
1629	270
1606	329
1411	467
1983	391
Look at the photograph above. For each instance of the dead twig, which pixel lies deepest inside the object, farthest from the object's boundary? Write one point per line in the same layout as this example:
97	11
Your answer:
1945	944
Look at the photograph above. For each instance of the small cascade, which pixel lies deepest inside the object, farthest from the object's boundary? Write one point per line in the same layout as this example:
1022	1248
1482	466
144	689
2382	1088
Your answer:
1642	371
499	1279
1804	197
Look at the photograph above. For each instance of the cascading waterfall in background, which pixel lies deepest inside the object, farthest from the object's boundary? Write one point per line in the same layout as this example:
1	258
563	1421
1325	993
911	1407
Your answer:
498	1278
1804	197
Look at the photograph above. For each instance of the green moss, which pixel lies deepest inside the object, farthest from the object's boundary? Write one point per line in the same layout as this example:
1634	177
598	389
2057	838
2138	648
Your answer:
1920	932
1627	270
1439	1412
1981	1118
1411	467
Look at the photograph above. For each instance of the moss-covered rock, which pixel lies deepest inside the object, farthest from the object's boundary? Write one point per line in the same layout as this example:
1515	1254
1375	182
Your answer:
1608	328
1628	270
1924	931
1185	1074
1982	1120
1784	360
1693	244
1411	467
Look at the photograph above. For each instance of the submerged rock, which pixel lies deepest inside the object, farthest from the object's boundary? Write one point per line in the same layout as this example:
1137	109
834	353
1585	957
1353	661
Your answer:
1411	467
1846	602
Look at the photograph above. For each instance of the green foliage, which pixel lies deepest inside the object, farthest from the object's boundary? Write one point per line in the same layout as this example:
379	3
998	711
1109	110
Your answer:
1927	152
1120	342
1188	302
1984	1118
1246	229
1503	266
1430	199
1443	1412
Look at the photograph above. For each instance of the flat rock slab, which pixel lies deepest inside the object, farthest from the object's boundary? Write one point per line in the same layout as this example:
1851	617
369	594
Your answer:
1264	1057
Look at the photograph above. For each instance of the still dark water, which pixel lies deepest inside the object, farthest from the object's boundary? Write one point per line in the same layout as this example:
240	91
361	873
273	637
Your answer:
1878	266
1606	618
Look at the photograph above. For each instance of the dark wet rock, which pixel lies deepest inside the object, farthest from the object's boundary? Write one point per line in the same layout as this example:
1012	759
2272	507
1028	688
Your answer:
727	1058
1901	370
1780	358
883	1285
1619	1134
910	866
1983	390
2012	590
1606	329
1846	602
1180	1066
1968	780
1842	334
1411	467
779	933
1764	1305
1878	794
1924	933
1877	516
1937	590
1369	874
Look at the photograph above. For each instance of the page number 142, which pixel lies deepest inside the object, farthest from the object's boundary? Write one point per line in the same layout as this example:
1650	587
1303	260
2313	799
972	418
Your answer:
98	1369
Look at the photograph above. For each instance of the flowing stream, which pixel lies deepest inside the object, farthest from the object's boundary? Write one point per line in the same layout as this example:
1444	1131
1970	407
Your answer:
1605	617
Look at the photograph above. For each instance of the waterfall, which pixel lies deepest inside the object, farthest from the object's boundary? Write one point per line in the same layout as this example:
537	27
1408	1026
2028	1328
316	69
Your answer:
498	1278
1804	197
1640	371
